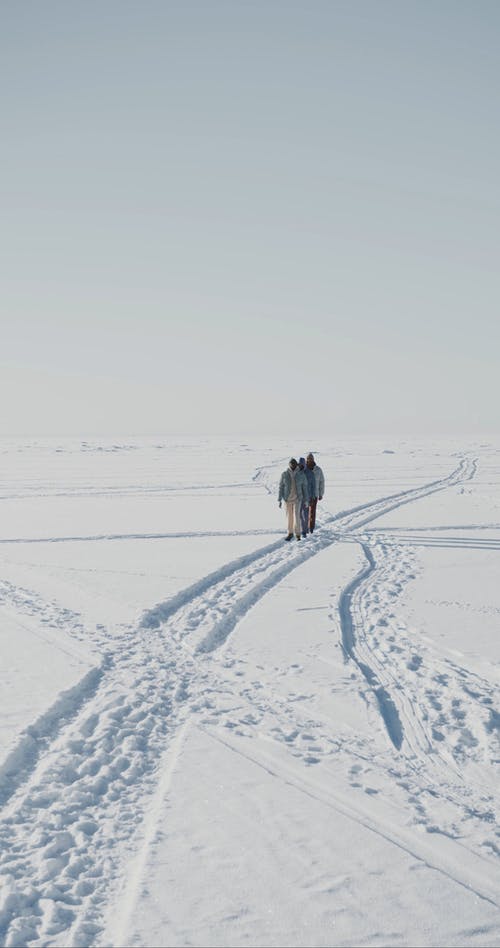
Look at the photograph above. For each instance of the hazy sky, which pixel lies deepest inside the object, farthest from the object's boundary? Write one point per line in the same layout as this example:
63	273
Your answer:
250	215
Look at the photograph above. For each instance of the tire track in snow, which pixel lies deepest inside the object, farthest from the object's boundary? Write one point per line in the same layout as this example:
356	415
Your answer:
388	708
125	908
74	824
35	739
176	535
264	559
364	624
446	711
68	832
475	876
465	471
395	657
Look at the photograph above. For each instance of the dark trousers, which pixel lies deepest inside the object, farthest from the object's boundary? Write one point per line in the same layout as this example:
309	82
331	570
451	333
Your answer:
304	518
312	513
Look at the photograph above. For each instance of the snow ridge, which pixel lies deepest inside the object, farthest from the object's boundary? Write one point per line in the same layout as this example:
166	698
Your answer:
35	739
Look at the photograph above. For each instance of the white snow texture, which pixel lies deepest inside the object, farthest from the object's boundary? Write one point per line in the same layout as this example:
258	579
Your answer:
213	737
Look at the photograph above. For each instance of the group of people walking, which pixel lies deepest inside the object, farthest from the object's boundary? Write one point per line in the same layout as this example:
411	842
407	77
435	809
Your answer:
301	486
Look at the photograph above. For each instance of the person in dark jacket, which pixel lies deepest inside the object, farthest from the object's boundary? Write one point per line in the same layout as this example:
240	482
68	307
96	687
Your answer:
318	489
304	509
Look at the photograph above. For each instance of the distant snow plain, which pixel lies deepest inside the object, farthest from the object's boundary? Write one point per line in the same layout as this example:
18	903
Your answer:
212	737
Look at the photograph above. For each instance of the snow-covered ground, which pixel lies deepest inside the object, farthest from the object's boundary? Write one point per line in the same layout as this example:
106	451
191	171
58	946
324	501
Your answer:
212	737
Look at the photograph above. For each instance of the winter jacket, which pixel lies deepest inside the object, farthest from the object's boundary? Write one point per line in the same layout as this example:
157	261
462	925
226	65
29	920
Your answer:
286	485
300	477
319	481
311	482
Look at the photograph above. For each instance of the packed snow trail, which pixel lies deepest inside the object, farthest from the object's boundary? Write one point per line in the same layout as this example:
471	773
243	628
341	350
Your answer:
73	823
445	711
387	706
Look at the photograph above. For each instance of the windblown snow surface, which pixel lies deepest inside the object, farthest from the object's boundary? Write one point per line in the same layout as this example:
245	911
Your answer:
213	737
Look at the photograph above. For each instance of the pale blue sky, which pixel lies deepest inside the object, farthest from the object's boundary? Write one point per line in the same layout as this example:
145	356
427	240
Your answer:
250	216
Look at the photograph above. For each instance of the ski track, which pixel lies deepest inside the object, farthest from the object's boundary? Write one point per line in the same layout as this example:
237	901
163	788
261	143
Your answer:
125	491
180	535
476	877
77	787
445	712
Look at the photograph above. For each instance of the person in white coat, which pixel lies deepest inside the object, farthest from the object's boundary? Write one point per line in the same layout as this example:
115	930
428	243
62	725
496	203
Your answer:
293	490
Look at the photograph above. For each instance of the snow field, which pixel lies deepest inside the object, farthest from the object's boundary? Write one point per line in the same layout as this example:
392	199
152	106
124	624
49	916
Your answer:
296	678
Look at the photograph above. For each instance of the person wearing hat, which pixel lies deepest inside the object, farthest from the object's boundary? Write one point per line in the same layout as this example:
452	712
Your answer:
293	490
317	489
